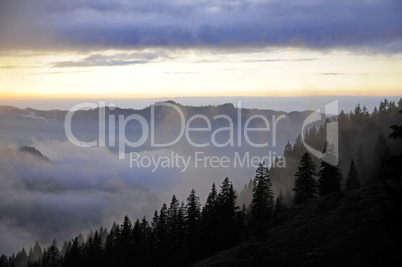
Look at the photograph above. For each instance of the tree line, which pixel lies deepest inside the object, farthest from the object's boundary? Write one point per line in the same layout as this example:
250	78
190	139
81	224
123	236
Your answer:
363	138
177	235
182	233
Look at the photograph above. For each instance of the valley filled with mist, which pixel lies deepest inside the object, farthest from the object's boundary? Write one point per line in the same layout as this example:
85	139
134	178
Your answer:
92	186
55	188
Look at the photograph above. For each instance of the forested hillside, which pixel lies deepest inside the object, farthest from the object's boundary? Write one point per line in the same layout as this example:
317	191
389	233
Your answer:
310	213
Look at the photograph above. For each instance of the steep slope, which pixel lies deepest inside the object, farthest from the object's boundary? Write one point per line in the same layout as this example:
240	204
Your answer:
358	227
33	151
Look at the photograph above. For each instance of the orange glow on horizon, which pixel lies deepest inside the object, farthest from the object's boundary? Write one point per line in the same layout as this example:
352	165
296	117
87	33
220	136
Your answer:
307	93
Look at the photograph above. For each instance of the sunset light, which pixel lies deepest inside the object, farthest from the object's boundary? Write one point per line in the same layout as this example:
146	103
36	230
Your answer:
205	133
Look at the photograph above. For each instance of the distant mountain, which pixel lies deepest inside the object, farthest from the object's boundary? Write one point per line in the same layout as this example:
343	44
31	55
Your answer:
21	125
33	151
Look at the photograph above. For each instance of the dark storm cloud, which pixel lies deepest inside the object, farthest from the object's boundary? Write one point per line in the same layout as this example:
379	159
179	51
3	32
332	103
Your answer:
89	25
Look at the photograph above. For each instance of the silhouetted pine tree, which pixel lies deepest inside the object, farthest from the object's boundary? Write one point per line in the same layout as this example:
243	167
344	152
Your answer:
396	129
110	248
360	159
241	221
3	261
193	226
280	210
305	183
226	214
182	233
161	238
51	258
21	259
352	180
330	175
96	250
298	147
209	223
288	150
137	238
174	227
280	206
262	204
36	252
391	168
73	255
146	241
381	147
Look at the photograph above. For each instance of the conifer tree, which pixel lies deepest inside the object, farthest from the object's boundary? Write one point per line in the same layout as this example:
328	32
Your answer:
21	259
226	214
36	252
241	221
396	129
174	226
381	147
110	248
73	255
287	150
193	223
330	175
126	229
209	223
3	261
52	256
262	203
81	240
280	211
352	180
161	241
375	113
305	183
92	250
298	146
360	157
64	249
144	242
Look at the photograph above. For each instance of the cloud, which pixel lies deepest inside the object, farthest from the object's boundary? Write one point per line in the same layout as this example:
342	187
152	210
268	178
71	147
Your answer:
84	188
91	25
59	72
282	60
183	73
78	191
108	60
10	67
331	73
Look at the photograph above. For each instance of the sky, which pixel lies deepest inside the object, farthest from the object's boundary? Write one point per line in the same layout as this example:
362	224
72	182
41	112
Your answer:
183	48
